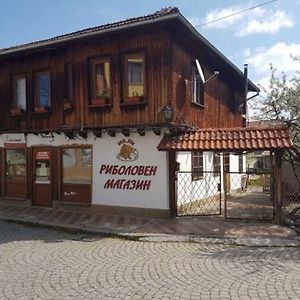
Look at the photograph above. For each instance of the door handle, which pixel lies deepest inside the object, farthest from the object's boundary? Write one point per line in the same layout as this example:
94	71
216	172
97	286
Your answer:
70	193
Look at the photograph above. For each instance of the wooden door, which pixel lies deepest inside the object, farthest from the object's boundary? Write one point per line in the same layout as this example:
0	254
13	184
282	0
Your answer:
76	171
42	176
15	184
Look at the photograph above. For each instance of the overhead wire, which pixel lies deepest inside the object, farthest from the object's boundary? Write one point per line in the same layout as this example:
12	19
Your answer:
236	13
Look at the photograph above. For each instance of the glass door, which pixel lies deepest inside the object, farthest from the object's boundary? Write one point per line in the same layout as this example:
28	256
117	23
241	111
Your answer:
42	177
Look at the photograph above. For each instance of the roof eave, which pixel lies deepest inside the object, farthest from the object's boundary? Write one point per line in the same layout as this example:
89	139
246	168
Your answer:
251	85
51	43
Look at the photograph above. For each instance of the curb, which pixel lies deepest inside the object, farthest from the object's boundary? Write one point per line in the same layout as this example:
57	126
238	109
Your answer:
159	238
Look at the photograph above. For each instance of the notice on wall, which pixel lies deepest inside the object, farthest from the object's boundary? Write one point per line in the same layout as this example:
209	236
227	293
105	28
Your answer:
14	140
43	155
127	183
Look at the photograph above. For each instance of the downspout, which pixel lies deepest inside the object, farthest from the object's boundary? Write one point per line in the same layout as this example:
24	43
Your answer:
244	110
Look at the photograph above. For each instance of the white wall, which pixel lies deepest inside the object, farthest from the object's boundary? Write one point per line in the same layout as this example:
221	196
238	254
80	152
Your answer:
189	190
105	151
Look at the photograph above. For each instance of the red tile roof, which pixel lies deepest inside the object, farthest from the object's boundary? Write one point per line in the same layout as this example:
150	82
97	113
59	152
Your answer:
229	139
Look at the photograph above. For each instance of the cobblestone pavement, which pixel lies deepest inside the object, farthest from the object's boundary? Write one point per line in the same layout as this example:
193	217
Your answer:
37	263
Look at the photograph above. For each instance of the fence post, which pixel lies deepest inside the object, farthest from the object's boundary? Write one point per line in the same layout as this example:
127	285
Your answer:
278	185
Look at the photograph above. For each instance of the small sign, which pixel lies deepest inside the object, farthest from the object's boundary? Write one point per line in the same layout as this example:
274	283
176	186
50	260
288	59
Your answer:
127	151
14	140
42	155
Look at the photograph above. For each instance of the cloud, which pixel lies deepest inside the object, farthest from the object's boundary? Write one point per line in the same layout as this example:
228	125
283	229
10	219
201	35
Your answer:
279	55
220	13
257	20
271	24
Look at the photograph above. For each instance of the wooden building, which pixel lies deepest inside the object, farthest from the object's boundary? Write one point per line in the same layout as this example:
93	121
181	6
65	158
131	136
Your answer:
82	114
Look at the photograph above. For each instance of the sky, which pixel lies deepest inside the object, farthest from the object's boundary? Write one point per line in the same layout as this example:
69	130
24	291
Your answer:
266	34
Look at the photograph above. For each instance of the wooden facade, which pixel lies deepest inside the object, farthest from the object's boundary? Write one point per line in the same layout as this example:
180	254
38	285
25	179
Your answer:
168	75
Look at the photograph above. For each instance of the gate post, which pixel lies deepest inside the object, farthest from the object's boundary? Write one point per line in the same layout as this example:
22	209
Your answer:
278	185
172	186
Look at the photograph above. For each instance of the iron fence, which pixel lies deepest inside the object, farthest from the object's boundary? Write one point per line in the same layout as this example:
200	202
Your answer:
198	193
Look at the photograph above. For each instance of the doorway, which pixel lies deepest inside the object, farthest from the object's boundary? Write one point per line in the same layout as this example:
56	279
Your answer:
42	177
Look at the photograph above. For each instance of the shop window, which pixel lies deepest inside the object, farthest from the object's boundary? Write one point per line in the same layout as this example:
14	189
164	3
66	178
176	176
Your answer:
42	91
198	85
15	165
76	165
134	86
197	165
216	164
100	81
68	102
18	93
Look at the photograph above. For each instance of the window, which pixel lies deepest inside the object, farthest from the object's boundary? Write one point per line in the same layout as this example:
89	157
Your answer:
42	89
19	91
134	76
15	165
100	80
216	164
198	84
197	165
241	163
77	164
226	160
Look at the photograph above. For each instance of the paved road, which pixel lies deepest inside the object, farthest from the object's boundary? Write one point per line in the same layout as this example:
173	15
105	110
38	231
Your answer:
37	263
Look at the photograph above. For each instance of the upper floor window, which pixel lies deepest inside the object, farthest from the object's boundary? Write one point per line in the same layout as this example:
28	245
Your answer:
100	83
198	84
42	89
197	165
19	91
134	76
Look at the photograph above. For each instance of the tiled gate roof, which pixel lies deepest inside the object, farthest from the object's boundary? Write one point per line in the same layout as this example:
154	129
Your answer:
229	139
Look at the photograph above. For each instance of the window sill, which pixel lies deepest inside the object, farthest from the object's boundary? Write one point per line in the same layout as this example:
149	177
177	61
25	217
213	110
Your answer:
16	112
133	103
99	106
198	105
41	109
39	113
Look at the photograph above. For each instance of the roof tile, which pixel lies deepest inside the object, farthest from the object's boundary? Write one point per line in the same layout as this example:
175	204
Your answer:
229	139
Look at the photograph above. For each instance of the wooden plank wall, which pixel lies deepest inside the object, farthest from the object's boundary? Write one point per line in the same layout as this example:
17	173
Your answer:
157	48
218	94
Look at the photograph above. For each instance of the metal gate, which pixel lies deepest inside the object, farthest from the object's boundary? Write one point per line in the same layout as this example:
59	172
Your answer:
198	194
249	196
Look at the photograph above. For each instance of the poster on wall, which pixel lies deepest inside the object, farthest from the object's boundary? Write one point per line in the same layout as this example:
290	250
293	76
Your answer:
42	155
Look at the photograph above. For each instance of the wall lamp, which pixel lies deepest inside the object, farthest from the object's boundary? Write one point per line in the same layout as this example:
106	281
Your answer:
167	111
